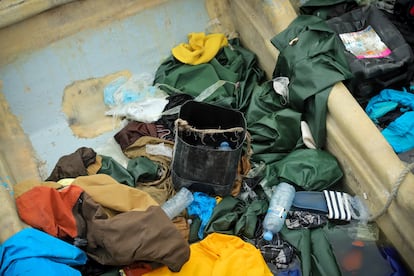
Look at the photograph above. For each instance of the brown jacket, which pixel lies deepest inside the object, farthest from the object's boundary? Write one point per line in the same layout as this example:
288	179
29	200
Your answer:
121	225
131	236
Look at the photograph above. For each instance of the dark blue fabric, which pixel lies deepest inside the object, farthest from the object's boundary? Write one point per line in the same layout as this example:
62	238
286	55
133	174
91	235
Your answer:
33	252
391	255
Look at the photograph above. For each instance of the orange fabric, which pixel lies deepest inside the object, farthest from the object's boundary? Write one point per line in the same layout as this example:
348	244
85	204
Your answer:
50	210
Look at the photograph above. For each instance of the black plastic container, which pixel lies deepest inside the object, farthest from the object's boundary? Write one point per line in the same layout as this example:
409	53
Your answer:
198	162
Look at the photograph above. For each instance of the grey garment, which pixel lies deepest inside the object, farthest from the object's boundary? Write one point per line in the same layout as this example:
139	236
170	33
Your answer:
305	219
385	5
277	252
407	157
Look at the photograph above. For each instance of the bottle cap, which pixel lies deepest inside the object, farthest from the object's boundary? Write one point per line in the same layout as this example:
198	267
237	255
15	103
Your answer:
225	145
268	235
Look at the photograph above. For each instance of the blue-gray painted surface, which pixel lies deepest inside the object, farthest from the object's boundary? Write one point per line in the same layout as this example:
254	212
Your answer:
34	83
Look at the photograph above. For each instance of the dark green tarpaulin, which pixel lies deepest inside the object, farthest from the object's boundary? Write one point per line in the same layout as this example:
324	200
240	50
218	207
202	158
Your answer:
312	57
315	251
139	169
234	217
327	9
275	129
313	67
233	64
307	169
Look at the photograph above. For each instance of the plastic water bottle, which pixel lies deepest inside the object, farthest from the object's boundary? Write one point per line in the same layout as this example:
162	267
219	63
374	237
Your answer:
224	146
279	205
175	205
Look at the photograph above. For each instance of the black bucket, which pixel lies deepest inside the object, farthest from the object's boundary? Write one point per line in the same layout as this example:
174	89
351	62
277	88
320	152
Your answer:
198	162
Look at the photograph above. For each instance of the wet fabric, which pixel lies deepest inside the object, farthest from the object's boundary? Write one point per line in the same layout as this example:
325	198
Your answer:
308	169
50	210
312	70
73	165
201	48
33	252
233	63
221	255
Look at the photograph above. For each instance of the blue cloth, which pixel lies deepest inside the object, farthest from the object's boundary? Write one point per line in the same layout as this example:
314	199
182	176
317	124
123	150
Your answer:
391	255
386	101
111	88
202	206
400	132
33	252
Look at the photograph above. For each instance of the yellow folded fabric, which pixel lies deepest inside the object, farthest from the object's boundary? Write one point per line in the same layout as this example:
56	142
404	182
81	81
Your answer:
201	48
220	255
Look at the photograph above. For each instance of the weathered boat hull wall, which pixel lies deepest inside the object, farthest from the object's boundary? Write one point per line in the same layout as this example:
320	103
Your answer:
43	55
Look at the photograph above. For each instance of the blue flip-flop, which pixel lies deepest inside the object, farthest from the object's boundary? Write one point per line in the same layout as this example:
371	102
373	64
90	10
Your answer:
335	204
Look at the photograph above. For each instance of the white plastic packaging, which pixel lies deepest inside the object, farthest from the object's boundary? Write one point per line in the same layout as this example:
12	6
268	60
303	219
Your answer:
175	205
280	203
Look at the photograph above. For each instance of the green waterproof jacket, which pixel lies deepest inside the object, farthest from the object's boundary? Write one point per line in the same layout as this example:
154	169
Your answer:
313	65
233	64
312	57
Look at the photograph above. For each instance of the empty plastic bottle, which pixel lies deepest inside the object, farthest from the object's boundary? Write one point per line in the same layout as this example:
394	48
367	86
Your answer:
224	146
280	203
175	205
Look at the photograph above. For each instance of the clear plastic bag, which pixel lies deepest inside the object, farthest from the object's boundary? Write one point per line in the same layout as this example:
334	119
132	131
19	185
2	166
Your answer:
359	210
135	98
280	86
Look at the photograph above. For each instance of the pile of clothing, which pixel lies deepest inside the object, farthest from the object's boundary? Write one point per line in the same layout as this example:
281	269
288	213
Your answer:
110	213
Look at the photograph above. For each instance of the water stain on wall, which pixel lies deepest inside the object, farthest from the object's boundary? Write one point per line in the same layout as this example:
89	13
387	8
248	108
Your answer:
83	104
